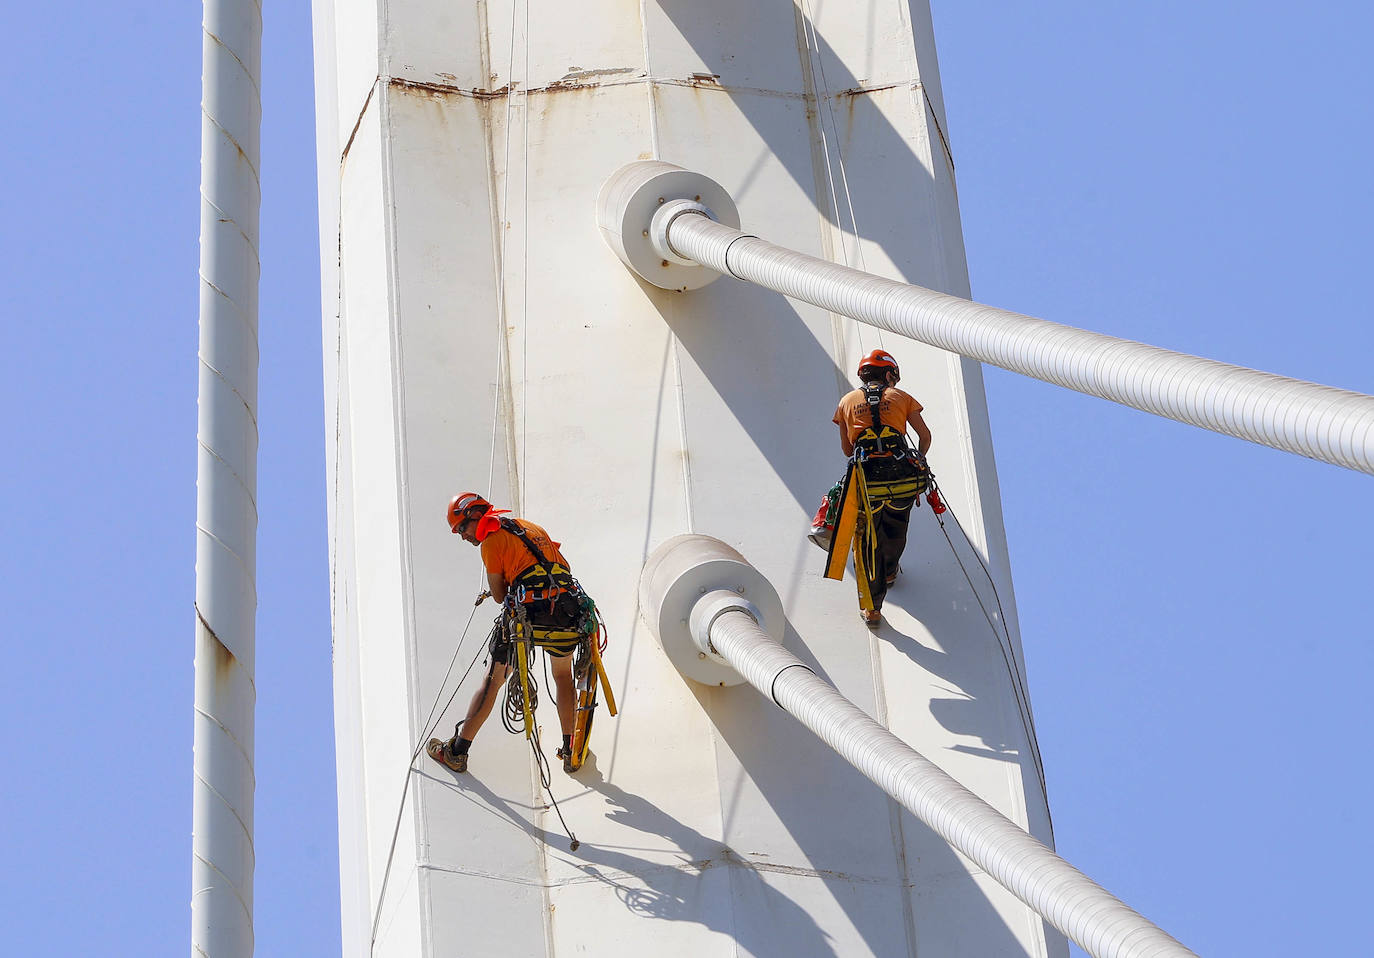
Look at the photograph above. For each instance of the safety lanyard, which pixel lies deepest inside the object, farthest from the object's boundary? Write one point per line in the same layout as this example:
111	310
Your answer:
873	395
513	527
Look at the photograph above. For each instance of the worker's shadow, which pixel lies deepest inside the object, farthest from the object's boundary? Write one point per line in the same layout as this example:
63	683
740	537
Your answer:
654	888
977	663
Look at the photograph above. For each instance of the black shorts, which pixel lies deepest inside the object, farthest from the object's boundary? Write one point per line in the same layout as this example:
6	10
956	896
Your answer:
564	617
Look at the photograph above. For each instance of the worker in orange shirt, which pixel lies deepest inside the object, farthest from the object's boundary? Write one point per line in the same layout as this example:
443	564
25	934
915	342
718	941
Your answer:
526	569
873	420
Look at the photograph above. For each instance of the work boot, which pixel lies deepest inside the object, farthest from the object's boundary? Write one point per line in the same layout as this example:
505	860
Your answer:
872	617
439	751
567	756
892	576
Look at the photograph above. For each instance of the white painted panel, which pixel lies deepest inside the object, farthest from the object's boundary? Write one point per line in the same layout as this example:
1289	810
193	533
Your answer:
971	916
566	44
457	927
356	59
683	911
748	45
436	43
446	355
862	44
399	934
839	915
923	33
355	899
371	511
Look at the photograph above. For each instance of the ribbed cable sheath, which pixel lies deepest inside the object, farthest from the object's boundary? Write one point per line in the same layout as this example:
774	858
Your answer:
1320	422
226	509
1079	907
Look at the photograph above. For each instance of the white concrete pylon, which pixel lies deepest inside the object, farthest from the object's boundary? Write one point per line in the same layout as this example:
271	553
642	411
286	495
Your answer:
724	593
1320	422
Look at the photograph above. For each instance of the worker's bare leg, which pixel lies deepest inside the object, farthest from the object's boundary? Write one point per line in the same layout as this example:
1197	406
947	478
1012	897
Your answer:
564	692
483	700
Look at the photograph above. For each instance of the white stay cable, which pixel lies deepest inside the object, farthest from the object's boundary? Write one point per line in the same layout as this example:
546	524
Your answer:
1320	422
1099	922
719	621
226	482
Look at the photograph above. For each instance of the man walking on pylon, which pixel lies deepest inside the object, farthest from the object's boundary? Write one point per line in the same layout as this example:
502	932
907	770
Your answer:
529	577
884	480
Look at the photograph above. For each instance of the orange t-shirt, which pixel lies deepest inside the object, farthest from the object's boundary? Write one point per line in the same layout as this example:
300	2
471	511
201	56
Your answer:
504	554
894	410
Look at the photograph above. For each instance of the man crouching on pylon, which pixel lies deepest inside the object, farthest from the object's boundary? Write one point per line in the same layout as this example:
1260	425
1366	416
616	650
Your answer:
886	474
530	579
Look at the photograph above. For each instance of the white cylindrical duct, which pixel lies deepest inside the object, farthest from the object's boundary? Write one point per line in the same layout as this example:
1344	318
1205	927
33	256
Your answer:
636	195
1320	422
226	510
681	589
692	596
1083	910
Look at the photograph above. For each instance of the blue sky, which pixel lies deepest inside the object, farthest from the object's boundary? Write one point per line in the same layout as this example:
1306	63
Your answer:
1195	610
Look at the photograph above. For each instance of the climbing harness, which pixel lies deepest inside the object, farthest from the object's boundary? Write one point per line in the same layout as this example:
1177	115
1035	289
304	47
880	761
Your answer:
884	473
893	471
584	636
554	577
877	431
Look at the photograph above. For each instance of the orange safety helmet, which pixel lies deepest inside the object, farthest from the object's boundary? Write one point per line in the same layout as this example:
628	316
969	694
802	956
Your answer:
879	359
469	505
464	503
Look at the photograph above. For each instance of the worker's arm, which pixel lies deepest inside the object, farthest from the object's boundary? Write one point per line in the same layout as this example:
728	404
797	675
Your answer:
845	442
496	582
922	432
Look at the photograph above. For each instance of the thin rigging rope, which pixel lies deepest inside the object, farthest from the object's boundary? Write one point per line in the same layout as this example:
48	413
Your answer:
546	780
431	721
1013	669
410	768
545	776
525	273
501	337
513	718
495	411
1008	656
813	43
